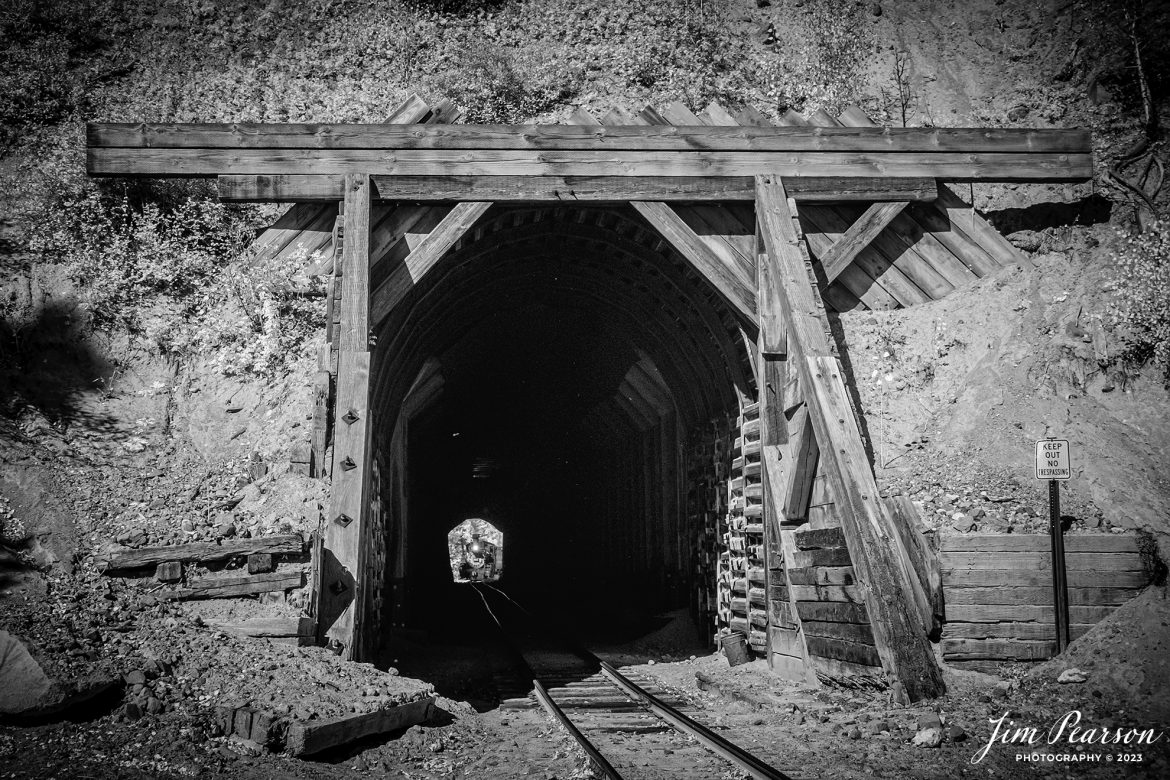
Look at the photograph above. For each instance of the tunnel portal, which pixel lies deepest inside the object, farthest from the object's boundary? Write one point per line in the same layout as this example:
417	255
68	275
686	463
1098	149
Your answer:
553	375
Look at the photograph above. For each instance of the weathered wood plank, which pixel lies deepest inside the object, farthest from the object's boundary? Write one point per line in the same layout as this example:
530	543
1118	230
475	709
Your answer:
801	472
850	632
981	166
1036	594
278	627
853	652
1010	630
1022	613
226	587
1087	543
203	552
348	495
834	669
824	575
996	649
446	188
287	188
308	737
859	235
726	279
1077	578
355	282
823	538
637	138
1105	561
844	593
923	557
833	612
838	556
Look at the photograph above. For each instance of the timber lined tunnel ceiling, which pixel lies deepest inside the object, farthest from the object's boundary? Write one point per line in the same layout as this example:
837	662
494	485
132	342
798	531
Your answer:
577	354
585	258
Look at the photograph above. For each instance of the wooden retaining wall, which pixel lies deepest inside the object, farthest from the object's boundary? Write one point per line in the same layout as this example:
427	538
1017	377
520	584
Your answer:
832	614
997	590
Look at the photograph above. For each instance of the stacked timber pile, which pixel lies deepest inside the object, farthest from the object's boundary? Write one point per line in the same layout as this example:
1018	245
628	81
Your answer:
745	579
268	567
998	591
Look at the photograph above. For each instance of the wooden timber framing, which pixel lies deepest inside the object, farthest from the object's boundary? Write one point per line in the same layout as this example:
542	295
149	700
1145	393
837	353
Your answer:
351	464
892	595
953	166
308	188
857	237
876	215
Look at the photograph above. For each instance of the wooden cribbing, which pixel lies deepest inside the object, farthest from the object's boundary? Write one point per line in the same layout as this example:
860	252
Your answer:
227	587
203	552
443	188
893	597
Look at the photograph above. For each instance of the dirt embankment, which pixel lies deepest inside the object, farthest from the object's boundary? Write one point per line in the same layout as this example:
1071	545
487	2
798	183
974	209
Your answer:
955	394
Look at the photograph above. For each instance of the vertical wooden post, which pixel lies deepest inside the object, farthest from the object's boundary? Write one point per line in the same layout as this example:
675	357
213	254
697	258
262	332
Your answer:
895	600
771	355
338	621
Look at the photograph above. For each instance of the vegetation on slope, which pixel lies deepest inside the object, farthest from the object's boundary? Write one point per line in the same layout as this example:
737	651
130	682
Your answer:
163	261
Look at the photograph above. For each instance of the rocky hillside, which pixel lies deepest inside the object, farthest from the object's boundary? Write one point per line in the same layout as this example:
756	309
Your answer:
139	342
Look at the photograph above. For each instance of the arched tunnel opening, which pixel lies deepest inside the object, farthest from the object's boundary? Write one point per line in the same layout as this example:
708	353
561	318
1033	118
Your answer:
552	375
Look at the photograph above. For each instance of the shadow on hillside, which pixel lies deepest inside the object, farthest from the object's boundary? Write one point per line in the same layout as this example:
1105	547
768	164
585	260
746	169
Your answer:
47	364
1092	210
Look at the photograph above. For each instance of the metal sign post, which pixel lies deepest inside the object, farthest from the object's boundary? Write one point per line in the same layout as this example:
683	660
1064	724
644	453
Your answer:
1054	464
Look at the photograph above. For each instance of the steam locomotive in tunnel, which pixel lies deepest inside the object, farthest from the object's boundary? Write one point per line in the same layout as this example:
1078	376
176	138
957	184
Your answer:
481	560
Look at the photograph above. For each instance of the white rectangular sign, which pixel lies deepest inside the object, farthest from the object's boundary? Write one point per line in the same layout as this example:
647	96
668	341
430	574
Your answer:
1052	459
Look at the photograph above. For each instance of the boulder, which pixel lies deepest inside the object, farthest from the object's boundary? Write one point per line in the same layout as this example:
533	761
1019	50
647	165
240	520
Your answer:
23	684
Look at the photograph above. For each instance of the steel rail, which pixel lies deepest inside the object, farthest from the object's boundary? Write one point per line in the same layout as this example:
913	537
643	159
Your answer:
550	706
680	722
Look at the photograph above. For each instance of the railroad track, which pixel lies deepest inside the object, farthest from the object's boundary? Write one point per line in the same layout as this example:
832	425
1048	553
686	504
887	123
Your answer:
628	726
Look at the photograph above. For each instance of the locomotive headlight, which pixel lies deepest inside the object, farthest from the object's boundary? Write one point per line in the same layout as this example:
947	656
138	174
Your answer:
475	547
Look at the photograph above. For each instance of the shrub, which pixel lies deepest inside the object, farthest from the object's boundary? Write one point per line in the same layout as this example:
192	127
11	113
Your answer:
1141	306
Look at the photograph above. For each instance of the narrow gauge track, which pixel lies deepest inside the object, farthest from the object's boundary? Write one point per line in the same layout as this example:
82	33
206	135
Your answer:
626	730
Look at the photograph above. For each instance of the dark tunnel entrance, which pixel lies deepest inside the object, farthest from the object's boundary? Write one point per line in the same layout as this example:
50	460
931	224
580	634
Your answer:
552	376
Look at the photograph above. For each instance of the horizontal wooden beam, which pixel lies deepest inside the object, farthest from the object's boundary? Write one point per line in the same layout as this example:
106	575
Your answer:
600	189
636	138
958	166
201	552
